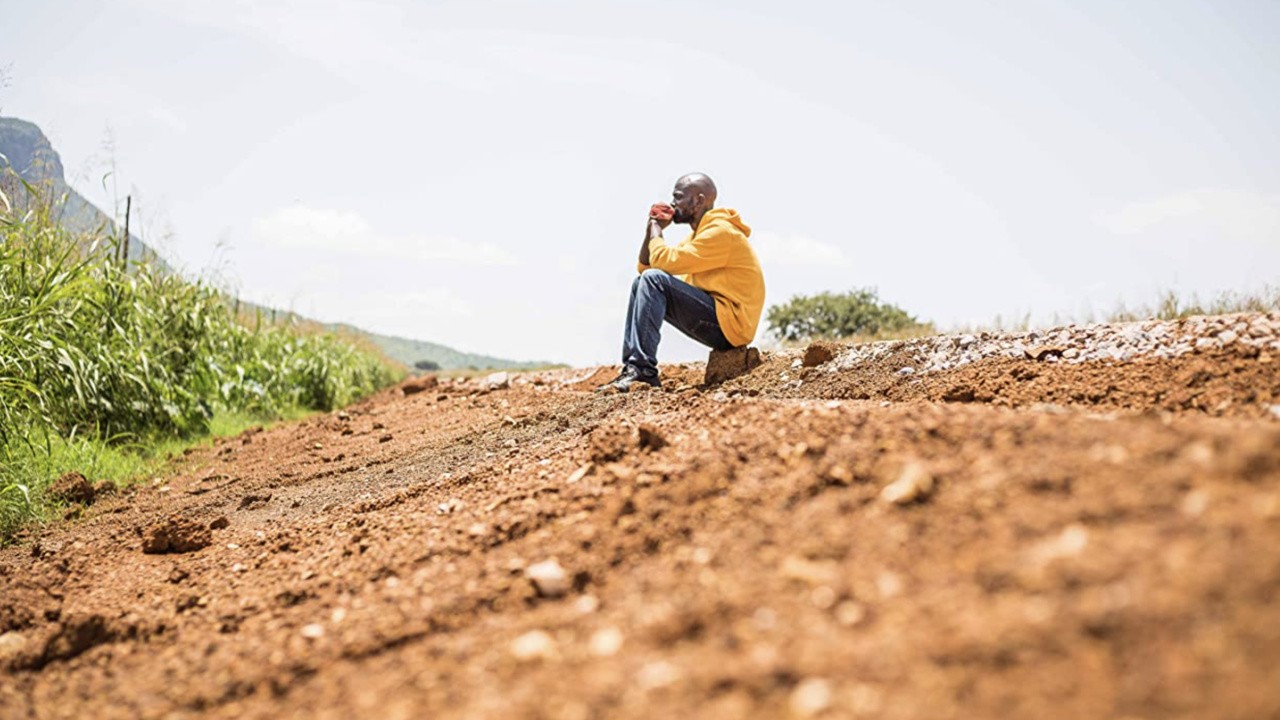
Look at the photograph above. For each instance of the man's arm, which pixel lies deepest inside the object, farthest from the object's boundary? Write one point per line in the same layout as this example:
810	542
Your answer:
653	230
708	249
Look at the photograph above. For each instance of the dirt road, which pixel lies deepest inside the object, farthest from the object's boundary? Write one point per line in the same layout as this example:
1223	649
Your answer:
994	536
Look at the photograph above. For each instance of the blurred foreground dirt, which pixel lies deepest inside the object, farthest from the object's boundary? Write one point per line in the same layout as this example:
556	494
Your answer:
1012	538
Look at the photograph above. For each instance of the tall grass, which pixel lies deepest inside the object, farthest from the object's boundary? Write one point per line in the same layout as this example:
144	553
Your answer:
97	355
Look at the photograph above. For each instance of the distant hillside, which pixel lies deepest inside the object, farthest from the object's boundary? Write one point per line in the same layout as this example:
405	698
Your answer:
25	149
410	352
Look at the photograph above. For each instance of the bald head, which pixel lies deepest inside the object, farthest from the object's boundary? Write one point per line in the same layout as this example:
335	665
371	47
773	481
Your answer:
693	195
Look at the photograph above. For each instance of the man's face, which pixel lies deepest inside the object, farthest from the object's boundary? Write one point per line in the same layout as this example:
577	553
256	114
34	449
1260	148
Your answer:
685	200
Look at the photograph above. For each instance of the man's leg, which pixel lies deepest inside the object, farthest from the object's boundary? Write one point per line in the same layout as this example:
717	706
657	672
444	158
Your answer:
645	313
693	312
658	296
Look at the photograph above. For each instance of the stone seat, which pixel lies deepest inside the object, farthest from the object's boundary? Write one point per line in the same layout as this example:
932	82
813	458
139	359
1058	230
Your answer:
725	365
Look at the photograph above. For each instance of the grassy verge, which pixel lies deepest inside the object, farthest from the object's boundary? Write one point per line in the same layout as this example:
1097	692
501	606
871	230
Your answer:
105	365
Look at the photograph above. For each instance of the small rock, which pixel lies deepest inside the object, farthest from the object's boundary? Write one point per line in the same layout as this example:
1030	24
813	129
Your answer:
497	381
175	535
1228	336
11	645
1195	503
915	482
850	613
819	352
579	474
1069	543
810	698
548	578
586	604
906	371
73	488
657	674
478	530
385	437
606	642
1275	411
533	645
314	631
414	386
219	523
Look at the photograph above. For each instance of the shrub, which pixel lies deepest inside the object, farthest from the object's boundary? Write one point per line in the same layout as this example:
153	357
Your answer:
839	315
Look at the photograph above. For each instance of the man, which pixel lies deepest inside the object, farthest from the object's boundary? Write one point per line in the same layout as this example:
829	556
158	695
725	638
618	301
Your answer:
708	286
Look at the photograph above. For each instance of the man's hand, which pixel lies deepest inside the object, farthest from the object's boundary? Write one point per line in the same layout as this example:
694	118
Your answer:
662	214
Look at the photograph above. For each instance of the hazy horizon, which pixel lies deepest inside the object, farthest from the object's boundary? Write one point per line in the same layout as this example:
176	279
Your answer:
477	174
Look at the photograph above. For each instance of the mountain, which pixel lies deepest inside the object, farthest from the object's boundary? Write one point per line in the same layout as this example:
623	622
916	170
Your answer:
25	150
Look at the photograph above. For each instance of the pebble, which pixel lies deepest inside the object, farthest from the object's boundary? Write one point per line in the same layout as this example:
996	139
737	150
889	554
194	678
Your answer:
1275	411
915	482
606	642
548	578
810	697
850	613
314	631
657	674
533	645
11	644
1118	342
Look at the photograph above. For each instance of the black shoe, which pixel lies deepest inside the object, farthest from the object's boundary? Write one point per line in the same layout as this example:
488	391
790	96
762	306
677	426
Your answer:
628	377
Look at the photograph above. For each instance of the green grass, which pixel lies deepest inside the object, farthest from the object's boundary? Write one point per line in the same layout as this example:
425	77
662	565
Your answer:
104	364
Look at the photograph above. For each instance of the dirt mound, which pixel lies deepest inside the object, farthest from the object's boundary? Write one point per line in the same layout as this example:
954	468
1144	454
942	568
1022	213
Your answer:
979	541
73	488
176	535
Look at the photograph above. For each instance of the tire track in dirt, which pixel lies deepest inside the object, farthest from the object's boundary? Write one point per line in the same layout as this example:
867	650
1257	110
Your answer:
740	561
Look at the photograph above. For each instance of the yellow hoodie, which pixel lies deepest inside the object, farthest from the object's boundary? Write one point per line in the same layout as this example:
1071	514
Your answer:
717	258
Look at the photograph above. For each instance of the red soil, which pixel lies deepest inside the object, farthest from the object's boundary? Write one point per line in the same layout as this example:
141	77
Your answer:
1098	540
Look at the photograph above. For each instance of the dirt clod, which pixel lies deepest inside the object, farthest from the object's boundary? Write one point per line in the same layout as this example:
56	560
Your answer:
73	488
819	352
413	386
175	534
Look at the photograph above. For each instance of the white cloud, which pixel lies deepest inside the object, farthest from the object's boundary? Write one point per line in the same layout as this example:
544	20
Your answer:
300	227
796	250
1233	214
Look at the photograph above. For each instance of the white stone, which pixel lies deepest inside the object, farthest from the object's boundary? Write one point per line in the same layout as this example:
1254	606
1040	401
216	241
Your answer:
606	642
810	697
548	578
314	631
914	482
533	645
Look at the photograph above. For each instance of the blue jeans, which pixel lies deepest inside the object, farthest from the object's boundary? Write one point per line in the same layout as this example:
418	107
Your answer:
656	296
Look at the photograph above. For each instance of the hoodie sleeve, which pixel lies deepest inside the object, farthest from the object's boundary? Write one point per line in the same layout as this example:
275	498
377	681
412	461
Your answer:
707	250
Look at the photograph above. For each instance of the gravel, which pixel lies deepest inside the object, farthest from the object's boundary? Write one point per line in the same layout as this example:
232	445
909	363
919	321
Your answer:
1121	342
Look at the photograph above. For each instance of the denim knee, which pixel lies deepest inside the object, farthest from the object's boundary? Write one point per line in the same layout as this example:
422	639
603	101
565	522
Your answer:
654	277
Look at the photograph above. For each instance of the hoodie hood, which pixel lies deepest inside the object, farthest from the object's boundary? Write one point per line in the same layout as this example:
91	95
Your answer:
728	215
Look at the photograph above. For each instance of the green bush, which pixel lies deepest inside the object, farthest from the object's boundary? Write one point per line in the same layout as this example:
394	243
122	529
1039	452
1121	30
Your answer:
858	313
92	350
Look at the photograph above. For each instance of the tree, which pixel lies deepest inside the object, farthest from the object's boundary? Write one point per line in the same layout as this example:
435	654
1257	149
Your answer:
427	365
838	315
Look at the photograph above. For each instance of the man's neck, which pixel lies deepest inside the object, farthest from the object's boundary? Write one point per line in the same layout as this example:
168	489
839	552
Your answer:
697	220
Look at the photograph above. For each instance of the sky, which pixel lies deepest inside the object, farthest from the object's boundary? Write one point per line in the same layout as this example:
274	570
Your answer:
478	173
